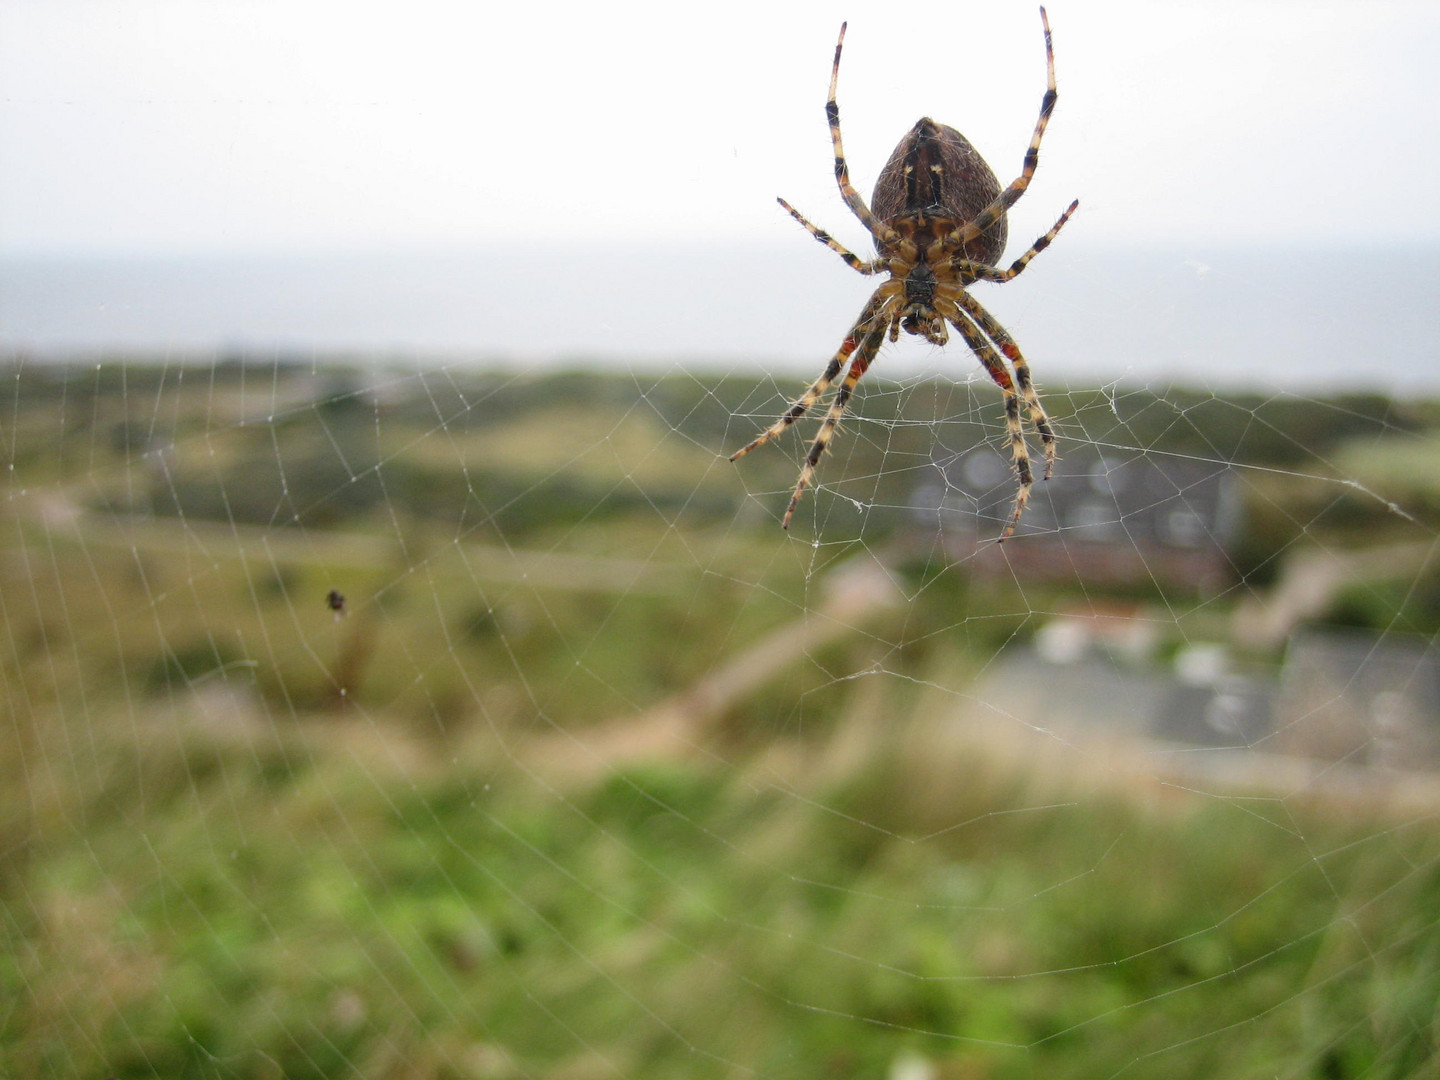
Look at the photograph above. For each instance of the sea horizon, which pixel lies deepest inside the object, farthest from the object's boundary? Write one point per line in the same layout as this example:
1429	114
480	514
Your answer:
1288	318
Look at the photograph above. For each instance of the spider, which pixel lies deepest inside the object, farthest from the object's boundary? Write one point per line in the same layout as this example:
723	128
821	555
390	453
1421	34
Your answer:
938	221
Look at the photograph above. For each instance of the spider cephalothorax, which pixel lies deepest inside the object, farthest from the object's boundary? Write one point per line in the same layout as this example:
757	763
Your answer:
937	218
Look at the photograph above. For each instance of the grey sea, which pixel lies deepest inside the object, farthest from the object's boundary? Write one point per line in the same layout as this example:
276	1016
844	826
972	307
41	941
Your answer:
1298	320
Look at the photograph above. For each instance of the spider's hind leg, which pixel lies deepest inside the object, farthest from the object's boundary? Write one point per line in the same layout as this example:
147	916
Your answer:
987	217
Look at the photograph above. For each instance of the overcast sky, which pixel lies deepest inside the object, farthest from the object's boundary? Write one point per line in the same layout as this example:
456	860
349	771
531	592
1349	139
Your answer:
172	126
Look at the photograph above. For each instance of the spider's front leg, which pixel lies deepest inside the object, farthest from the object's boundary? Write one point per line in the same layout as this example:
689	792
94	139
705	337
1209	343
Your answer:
997	370
819	386
869	346
1001	337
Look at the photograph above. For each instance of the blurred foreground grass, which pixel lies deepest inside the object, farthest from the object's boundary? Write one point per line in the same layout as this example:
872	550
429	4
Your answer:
205	894
242	838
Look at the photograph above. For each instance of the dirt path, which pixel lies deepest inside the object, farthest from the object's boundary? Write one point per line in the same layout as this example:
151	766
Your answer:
63	518
1309	582
681	724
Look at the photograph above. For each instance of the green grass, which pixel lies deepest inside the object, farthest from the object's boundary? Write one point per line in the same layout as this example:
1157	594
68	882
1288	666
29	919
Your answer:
242	839
343	901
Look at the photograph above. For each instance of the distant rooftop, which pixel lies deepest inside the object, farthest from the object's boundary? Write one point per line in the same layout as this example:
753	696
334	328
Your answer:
1117	515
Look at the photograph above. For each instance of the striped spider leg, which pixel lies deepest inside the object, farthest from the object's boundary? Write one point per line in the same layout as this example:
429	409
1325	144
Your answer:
991	328
858	350
870	340
964	314
938	221
987	217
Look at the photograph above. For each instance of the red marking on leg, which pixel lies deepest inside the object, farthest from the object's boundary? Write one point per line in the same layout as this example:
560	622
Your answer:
1001	377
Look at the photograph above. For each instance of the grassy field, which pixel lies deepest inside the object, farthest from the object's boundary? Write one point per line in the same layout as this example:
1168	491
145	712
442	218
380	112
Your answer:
602	776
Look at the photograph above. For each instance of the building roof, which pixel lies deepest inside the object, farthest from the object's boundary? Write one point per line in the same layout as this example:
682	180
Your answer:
1132	497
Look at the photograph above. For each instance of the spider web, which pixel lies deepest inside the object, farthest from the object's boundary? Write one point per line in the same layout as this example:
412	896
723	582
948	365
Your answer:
383	697
598	772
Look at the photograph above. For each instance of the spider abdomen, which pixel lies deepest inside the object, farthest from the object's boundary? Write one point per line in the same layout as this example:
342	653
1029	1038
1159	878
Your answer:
935	173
